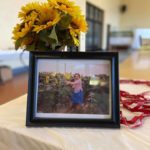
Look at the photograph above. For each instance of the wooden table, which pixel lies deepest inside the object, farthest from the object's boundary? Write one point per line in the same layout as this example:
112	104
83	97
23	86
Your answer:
137	66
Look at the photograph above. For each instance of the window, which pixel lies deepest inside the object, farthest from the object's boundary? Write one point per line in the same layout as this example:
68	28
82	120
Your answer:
95	24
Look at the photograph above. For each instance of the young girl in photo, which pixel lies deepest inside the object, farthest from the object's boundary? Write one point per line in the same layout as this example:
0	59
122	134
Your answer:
77	96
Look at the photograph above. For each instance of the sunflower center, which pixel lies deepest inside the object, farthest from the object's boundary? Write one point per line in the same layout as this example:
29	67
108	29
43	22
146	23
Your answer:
74	25
45	21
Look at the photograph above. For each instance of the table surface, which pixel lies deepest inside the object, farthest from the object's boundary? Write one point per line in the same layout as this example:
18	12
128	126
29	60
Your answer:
136	66
15	135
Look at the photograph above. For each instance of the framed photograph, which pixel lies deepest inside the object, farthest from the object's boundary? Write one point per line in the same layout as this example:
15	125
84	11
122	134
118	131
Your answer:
73	89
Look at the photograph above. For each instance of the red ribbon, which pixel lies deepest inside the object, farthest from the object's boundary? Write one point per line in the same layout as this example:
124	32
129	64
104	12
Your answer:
140	101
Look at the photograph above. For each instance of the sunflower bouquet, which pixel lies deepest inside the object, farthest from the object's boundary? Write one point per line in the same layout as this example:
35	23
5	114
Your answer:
49	25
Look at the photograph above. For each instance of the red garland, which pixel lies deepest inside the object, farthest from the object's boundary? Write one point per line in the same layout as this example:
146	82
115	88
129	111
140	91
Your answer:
141	104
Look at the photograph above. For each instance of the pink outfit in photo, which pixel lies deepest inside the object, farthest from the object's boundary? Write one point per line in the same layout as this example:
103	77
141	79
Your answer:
77	85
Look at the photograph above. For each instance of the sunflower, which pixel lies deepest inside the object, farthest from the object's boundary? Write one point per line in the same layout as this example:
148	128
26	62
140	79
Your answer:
65	6
39	16
72	11
32	17
79	23
21	30
28	9
16	29
52	3
46	19
67	76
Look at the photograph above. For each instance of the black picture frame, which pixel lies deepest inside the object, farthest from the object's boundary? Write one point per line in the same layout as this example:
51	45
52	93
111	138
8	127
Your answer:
113	122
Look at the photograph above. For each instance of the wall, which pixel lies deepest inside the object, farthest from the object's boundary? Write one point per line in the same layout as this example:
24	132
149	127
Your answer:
82	4
111	14
8	18
137	15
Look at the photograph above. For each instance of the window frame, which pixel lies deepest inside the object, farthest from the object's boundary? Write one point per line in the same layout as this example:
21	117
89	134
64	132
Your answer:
94	22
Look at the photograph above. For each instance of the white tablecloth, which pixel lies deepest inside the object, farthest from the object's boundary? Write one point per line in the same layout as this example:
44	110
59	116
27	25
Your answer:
14	135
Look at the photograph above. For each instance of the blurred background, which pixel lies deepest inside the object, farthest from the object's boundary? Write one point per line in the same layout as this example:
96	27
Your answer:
83	67
114	25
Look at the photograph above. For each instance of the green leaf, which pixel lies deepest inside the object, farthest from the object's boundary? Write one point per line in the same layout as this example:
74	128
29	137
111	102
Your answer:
64	22
18	43
43	35
65	38
75	41
53	35
30	47
53	39
41	46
